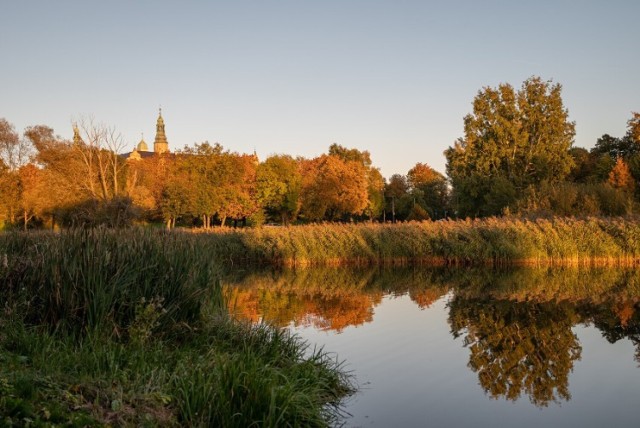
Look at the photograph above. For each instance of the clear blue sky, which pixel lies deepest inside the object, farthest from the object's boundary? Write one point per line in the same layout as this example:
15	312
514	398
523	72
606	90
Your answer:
392	77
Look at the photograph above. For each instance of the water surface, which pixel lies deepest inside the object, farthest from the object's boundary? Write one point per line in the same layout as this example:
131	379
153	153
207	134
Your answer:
472	347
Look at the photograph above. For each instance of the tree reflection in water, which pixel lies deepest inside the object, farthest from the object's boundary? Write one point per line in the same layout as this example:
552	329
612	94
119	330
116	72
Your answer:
516	323
518	348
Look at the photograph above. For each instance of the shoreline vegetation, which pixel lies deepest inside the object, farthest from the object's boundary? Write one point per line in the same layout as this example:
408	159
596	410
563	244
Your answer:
131	327
594	241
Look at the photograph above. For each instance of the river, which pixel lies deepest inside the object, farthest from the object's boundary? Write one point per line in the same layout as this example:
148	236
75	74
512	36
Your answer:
524	347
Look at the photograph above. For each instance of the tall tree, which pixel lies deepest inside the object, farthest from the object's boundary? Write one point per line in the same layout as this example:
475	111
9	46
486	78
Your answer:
633	126
278	183
14	151
620	177
374	178
332	188
429	189
396	192
512	140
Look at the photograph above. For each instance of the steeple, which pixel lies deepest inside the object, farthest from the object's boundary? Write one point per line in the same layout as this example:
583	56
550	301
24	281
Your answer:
160	145
77	139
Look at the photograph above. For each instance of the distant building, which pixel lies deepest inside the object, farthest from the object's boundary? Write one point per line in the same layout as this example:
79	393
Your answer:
160	144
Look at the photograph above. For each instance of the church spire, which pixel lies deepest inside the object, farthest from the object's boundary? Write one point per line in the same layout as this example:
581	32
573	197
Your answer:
77	139
160	145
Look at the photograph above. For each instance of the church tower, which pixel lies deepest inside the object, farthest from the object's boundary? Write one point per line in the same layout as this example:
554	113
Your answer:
77	139
160	145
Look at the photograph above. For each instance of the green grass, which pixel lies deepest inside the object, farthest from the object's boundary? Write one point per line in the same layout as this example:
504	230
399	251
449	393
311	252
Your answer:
129	328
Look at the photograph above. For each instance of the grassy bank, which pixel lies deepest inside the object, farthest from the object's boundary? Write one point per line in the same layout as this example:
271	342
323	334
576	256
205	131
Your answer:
562	241
128	328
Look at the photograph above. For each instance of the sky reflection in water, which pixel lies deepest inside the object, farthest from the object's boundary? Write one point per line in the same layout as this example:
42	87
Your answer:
467	347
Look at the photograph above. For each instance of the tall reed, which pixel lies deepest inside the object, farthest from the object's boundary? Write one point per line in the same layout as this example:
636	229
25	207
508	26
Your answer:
492	241
83	280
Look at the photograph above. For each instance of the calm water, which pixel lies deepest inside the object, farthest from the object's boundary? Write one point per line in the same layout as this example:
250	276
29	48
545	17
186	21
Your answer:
524	347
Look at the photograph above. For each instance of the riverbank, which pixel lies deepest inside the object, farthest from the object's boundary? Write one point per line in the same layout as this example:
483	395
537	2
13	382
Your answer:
492	241
129	328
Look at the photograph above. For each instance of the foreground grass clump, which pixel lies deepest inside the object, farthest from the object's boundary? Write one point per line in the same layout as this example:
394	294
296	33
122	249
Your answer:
493	241
231	375
128	328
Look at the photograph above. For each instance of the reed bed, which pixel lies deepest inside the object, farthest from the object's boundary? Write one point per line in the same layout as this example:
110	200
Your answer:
492	241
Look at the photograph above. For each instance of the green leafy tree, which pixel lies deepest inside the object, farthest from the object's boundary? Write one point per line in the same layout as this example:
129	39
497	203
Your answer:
397	195
278	184
583	170
519	137
633	126
429	189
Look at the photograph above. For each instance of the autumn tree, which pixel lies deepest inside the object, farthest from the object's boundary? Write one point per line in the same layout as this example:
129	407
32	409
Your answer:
375	181
15	152
608	150
620	177
513	140
429	190
62	170
145	182
208	181
238	187
333	187
33	191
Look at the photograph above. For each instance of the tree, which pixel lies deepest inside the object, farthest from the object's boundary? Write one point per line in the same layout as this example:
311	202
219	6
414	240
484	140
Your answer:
583	166
429	189
332	187
237	186
519	137
97	146
620	177
374	178
615	147
278	183
14	151
32	192
395	191
63	172
375	204
633	126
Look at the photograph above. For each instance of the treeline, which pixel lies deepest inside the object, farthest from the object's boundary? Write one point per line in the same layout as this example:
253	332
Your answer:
46	181
516	157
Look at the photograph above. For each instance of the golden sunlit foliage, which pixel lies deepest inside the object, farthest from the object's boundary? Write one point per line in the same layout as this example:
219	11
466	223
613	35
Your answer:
514	159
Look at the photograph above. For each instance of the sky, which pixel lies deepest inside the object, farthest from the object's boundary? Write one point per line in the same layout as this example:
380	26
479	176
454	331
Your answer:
392	77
